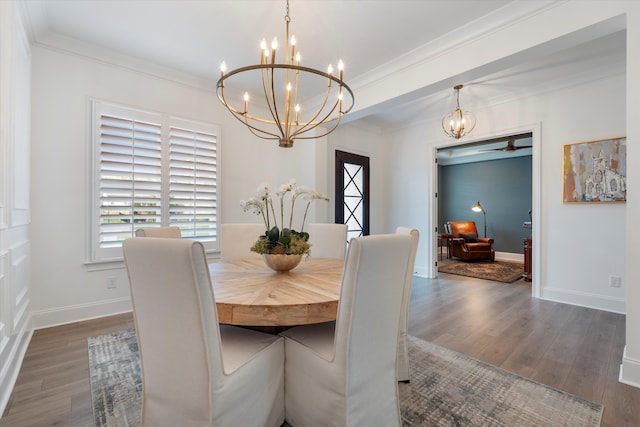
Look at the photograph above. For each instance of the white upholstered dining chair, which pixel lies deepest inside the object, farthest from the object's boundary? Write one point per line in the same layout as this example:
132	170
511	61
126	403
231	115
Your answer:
343	373
403	346
327	240
196	372
236	240
168	232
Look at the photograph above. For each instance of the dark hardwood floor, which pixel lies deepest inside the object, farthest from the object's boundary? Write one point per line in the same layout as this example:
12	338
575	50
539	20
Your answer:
53	385
575	349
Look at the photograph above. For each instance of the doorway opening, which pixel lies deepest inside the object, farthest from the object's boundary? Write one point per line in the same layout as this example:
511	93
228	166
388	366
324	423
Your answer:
501	172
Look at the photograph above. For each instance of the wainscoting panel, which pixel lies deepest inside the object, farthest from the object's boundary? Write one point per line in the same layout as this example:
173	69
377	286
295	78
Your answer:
15	194
19	257
5	309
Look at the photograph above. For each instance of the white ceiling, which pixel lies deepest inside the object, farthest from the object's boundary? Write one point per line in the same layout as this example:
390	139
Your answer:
195	36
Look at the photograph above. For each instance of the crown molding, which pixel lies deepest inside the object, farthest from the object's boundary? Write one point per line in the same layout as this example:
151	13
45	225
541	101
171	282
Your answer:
74	47
34	18
509	15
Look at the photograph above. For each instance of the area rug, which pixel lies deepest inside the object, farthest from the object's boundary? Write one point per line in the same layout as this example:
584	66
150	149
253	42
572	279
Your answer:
116	385
497	271
446	389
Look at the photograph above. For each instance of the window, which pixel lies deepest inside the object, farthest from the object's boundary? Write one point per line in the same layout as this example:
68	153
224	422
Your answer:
151	170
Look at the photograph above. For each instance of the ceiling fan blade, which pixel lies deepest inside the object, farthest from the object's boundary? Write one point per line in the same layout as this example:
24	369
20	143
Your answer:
509	147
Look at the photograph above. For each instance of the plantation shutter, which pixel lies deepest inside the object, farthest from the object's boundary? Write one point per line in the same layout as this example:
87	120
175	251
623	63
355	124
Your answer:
192	181
130	177
151	170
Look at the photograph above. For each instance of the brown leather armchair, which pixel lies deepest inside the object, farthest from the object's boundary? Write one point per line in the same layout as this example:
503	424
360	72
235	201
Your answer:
465	243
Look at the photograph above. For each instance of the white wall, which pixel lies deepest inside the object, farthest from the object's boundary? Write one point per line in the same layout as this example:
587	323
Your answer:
412	185
365	142
64	288
581	243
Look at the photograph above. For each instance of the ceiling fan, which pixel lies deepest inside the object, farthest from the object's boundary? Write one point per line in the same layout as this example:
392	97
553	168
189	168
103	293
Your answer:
510	146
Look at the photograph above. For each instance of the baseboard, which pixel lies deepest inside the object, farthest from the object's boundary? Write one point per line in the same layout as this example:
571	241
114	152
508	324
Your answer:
76	313
421	271
599	302
11	368
629	370
510	257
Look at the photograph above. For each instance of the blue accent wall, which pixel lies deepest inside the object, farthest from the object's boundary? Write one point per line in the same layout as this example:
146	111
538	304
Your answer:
503	188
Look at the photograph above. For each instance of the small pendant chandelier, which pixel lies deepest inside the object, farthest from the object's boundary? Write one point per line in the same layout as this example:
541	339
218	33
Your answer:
286	116
458	123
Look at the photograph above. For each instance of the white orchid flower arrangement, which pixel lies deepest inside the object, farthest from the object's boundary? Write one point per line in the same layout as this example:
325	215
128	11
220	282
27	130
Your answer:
281	238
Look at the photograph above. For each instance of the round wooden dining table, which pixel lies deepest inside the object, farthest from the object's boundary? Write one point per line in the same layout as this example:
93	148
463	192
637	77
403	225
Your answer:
248	293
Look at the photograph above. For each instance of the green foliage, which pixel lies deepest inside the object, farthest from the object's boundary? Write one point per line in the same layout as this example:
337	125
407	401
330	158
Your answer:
289	242
273	235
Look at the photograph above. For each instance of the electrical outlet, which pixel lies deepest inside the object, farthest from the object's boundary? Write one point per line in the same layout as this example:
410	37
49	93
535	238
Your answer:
112	283
615	281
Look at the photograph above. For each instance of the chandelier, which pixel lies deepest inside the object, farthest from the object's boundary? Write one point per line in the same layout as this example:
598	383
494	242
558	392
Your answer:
458	123
294	99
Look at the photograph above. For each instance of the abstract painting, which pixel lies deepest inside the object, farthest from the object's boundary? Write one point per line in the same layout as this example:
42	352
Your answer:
595	171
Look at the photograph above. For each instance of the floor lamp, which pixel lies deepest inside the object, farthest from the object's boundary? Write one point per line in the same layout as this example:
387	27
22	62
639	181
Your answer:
478	208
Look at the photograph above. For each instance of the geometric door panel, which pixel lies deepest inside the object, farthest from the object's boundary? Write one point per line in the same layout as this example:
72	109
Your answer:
352	193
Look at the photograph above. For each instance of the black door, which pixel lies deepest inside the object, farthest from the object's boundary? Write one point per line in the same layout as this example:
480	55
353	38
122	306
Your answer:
352	193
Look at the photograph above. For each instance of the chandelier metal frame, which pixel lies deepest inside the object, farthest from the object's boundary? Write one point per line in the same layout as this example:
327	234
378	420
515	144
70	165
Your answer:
284	122
458	123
